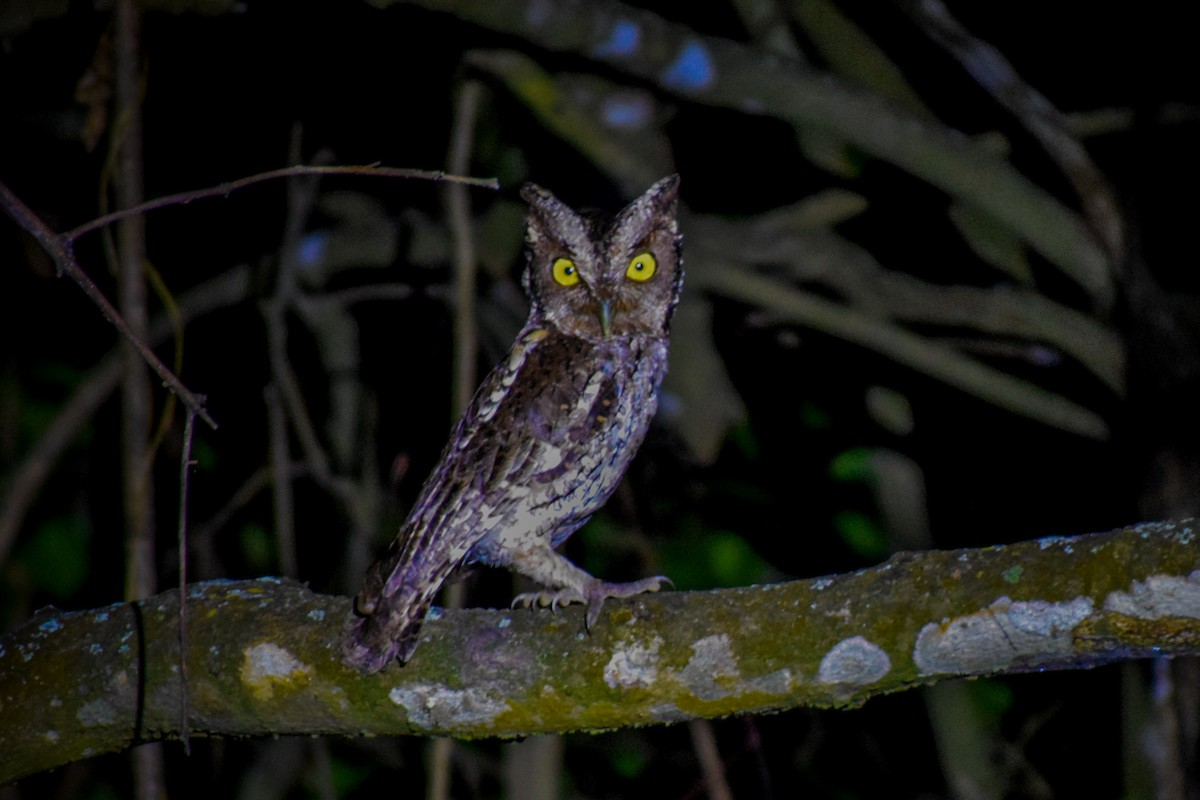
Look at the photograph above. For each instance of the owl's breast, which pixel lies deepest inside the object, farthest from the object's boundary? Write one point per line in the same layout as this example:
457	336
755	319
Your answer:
578	432
605	427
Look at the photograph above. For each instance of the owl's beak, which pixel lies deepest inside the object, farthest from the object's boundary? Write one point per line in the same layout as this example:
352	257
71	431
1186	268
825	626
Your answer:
606	313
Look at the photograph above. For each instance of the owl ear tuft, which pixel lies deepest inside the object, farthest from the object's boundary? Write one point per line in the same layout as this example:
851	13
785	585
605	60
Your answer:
533	194
655	206
665	193
549	216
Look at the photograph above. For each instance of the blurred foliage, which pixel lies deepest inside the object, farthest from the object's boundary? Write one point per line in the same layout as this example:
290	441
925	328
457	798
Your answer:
863	535
887	244
55	558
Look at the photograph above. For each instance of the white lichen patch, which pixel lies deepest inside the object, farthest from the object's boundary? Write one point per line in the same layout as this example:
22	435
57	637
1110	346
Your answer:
1003	634
431	706
1157	597
668	713
267	668
1041	618
97	713
713	668
777	682
856	661
1182	531
633	664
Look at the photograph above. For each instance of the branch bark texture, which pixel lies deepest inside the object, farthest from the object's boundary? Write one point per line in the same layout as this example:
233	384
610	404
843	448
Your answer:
264	660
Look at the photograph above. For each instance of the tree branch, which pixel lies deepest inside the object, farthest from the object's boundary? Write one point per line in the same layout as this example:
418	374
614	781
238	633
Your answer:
225	189
59	249
727	74
264	659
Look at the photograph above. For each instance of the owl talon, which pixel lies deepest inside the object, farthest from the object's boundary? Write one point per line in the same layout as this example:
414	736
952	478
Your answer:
592	596
600	591
546	599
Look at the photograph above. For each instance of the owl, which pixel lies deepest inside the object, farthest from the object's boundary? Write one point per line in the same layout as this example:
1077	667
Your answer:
551	430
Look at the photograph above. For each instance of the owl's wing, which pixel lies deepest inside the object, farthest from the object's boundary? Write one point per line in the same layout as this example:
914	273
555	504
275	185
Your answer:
516	433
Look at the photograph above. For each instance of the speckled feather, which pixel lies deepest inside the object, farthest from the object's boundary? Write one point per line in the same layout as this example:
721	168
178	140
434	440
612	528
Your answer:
548	434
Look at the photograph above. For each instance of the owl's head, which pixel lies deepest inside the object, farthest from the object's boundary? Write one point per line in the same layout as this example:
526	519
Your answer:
595	277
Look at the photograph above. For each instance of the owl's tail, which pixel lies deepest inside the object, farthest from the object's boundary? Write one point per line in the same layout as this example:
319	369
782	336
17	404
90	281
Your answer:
386	620
371	642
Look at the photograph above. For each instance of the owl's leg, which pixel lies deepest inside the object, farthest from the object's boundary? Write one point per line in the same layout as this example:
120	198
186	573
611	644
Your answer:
571	584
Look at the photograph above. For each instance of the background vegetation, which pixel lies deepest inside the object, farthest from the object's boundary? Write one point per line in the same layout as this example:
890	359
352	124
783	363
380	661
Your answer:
939	295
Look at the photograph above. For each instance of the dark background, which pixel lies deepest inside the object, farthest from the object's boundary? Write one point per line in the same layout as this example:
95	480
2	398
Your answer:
224	94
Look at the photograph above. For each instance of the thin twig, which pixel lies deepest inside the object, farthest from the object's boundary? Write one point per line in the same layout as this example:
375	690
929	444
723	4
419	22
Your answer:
225	189
25	481
184	471
59	249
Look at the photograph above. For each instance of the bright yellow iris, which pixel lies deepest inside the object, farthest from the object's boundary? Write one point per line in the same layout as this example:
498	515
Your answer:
641	268
564	271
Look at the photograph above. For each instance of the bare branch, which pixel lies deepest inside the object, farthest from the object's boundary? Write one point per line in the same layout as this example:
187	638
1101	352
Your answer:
226	189
185	468
59	249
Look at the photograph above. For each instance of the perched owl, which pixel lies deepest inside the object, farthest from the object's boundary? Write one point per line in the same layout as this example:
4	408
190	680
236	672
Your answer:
548	435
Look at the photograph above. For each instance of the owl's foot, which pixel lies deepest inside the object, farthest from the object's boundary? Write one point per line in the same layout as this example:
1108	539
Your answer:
592	594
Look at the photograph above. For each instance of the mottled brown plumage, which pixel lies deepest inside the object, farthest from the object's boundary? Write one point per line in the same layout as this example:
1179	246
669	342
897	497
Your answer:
550	431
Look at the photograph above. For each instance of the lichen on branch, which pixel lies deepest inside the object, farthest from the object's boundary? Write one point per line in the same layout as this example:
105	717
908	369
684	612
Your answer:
263	656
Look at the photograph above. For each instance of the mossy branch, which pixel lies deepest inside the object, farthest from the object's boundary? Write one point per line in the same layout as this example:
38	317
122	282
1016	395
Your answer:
263	658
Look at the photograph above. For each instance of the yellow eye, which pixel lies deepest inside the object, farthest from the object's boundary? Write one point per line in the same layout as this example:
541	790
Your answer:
641	268
564	272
